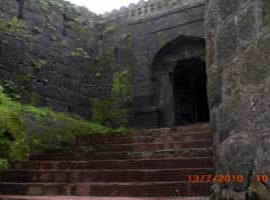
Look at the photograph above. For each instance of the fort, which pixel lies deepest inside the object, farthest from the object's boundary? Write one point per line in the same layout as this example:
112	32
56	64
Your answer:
137	39
189	62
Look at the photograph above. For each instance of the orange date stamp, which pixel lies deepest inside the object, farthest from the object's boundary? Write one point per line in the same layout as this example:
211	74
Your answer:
223	178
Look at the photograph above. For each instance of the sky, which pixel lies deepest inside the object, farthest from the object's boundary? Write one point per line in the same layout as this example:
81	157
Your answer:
102	6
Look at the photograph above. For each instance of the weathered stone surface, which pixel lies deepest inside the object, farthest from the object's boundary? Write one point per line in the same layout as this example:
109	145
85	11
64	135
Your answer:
124	40
266	11
227	42
42	62
227	7
240	120
247	25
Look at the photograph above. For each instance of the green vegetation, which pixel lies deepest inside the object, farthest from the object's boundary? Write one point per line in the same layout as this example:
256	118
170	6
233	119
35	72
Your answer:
113	111
24	78
77	27
161	38
14	26
121	89
128	39
64	43
82	30
109	29
106	60
3	164
79	52
12	133
39	64
46	4
104	111
25	129
17	91
10	88
266	13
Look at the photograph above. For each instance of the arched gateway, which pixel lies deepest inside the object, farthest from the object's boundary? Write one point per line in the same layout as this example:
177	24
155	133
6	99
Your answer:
179	82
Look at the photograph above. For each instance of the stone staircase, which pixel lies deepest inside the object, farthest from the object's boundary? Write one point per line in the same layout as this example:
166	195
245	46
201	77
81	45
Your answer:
147	163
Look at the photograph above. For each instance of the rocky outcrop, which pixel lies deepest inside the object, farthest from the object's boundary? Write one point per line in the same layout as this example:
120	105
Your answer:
238	84
49	55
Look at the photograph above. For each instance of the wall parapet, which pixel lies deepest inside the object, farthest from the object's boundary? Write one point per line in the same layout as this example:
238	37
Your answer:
145	9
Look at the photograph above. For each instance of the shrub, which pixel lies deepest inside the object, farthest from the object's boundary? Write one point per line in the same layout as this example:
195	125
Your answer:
25	129
14	26
13	144
112	111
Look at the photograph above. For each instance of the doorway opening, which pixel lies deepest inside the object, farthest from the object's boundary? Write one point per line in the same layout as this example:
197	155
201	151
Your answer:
190	92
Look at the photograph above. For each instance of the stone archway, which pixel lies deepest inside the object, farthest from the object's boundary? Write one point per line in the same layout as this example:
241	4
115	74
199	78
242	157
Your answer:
179	82
189	90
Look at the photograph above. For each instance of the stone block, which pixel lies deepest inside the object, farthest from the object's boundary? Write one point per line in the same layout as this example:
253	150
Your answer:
227	7
247	25
227	42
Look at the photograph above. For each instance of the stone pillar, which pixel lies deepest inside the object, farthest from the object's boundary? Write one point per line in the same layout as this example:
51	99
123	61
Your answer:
238	67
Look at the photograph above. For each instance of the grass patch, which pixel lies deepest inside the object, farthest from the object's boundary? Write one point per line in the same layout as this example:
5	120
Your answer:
25	129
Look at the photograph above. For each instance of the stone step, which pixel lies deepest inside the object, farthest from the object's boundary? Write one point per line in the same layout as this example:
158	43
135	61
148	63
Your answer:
203	162
88	154
139	189
5	197
82	140
199	127
140	147
141	164
69	176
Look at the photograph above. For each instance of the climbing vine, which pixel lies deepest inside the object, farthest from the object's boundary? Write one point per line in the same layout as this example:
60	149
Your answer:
121	89
113	111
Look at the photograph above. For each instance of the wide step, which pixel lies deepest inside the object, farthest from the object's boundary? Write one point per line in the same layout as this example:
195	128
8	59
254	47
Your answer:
152	147
149	136
117	164
140	189
75	176
8	197
146	163
84	154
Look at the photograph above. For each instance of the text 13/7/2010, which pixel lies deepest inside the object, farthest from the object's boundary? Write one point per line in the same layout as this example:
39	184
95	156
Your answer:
223	178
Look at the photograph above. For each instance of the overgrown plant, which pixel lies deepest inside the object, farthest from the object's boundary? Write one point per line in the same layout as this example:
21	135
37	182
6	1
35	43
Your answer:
80	52
25	129
121	89
13	144
14	26
113	111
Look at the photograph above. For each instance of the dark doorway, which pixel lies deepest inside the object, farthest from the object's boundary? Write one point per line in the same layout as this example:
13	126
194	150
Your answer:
190	92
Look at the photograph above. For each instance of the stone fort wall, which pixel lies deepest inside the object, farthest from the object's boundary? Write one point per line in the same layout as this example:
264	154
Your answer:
145	9
50	55
138	38
69	54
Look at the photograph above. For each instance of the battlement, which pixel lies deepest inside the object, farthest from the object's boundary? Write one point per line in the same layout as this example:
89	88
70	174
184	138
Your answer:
148	8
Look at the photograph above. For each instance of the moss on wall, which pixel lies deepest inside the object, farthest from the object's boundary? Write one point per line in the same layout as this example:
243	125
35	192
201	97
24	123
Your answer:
39	64
14	26
77	27
109	29
127	38
80	52
121	88
266	12
162	38
59	4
